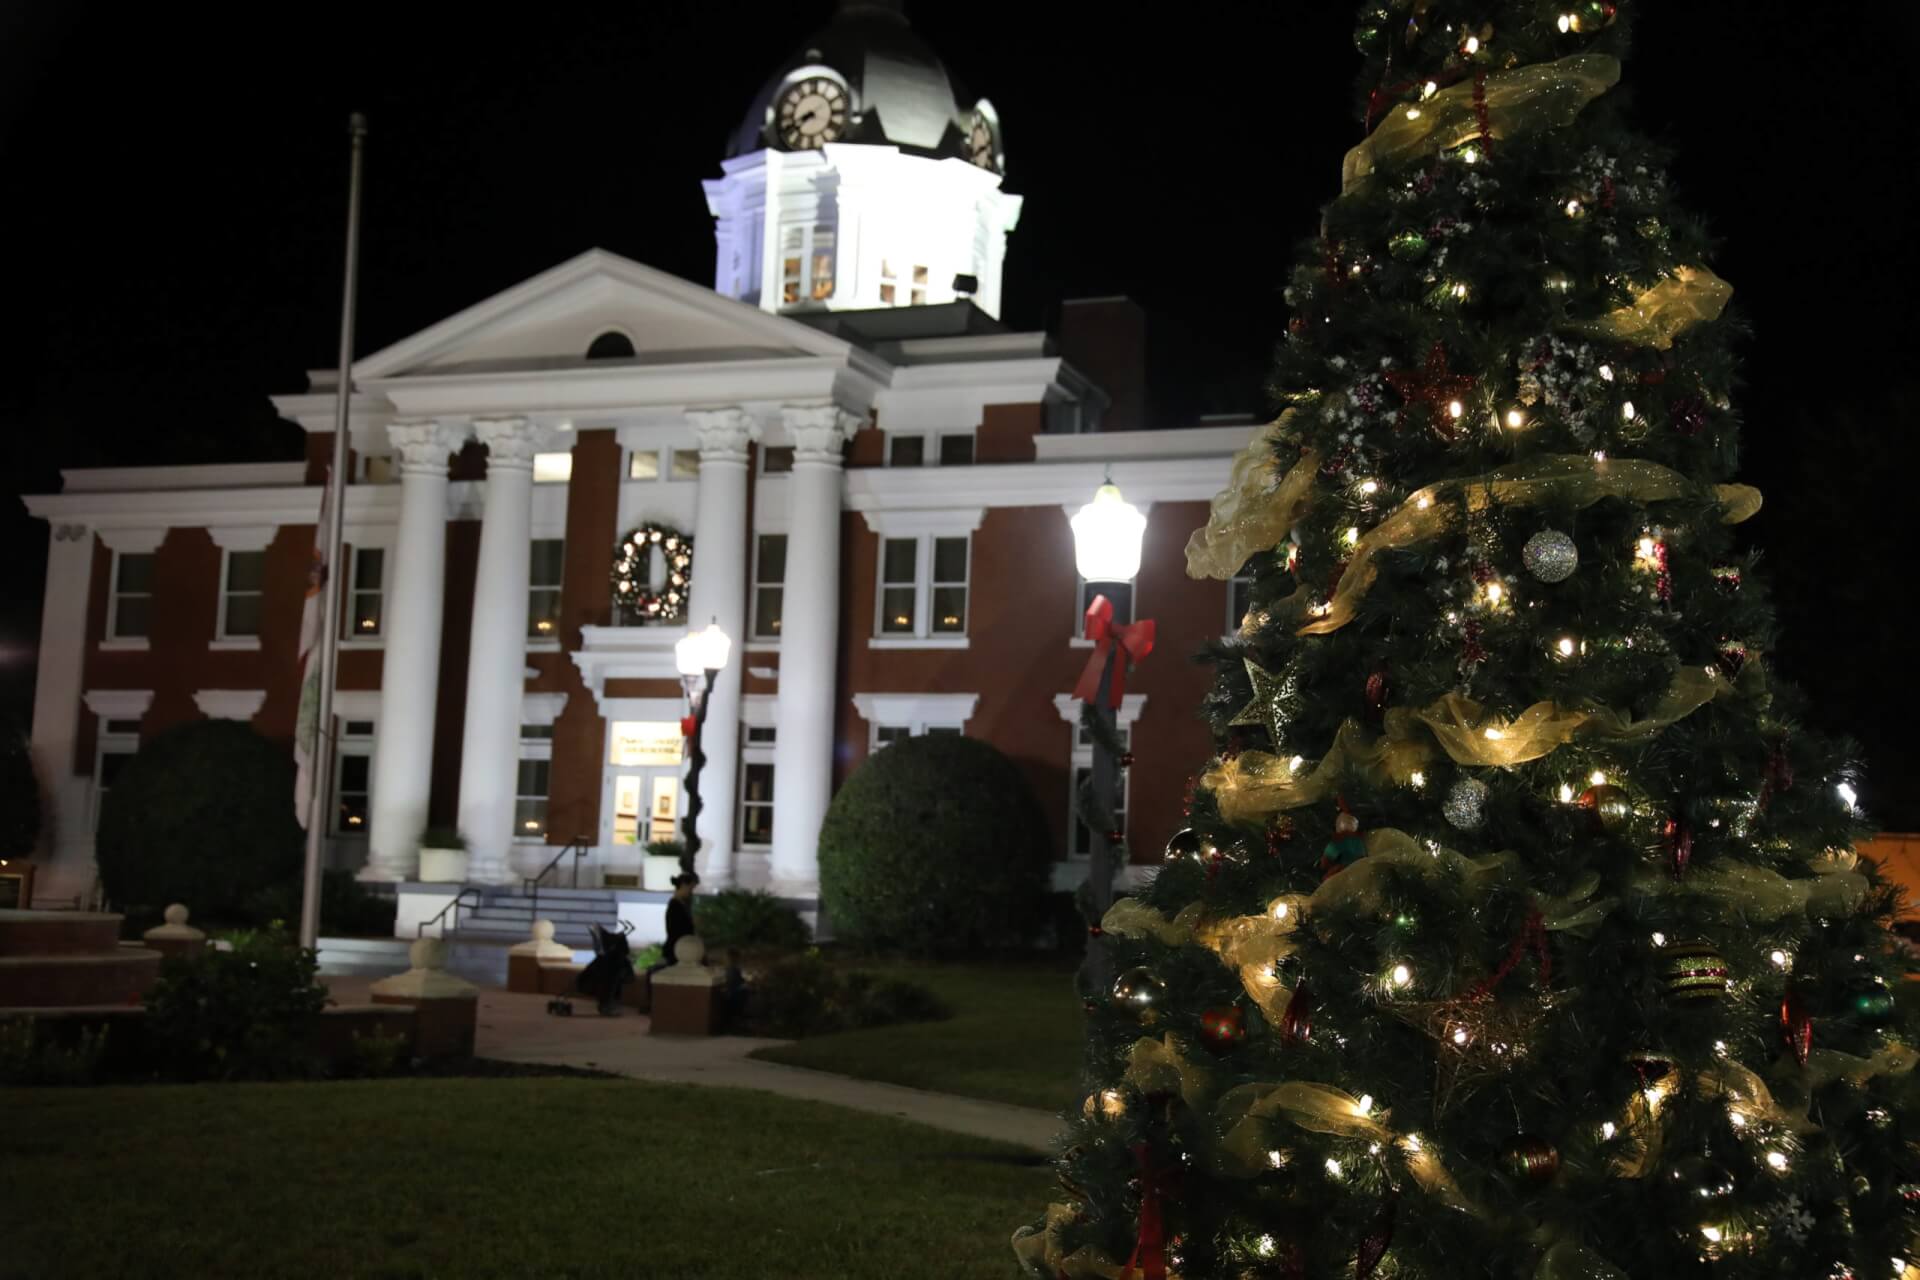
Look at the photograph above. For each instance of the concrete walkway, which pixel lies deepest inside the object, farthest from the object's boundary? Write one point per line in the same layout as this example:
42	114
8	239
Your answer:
517	1028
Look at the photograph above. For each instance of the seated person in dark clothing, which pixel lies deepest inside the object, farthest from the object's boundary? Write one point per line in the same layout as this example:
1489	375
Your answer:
680	913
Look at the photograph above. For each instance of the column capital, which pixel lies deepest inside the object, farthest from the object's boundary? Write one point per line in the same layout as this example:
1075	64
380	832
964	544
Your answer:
820	431
424	447
724	433
511	442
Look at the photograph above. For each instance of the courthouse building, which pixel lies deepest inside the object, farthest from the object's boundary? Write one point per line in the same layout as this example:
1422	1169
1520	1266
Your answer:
875	472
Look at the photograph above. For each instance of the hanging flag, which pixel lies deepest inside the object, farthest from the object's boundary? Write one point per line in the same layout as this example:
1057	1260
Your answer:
306	731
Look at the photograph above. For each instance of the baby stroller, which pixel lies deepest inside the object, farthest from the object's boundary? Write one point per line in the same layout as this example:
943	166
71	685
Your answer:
612	967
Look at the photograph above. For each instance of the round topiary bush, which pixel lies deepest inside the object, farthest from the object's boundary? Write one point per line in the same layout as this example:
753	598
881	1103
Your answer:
934	844
202	815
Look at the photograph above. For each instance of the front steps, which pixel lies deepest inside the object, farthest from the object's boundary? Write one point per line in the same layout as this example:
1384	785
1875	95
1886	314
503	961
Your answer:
506	915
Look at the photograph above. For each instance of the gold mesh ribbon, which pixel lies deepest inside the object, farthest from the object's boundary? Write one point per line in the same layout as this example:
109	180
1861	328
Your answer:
1658	315
1254	784
1574	479
1827	1065
1039	1248
1759	895
1544	95
1256	509
1158	1066
1569	1261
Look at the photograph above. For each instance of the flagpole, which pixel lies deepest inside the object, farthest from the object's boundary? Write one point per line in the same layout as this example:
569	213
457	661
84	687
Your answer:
329	637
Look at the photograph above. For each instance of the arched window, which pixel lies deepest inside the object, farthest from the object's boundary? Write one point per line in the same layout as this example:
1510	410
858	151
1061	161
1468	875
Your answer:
611	345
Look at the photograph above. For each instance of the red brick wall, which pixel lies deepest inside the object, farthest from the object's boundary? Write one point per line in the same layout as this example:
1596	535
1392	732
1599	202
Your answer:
593	508
1020	655
1006	432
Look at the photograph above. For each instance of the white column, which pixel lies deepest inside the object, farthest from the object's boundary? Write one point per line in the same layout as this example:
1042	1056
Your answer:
719	593
497	655
66	835
410	668
809	643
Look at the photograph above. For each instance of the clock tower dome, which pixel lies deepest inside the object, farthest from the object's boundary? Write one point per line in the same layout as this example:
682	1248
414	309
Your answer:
861	178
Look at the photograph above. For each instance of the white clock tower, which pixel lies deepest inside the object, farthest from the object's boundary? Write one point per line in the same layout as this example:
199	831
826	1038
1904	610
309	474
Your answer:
860	180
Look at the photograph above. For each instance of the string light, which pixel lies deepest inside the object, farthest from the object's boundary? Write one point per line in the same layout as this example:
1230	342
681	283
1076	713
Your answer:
1737	1118
1428	89
1659	939
1781	960
1495	733
1459	291
1566	646
1276	1159
1413	113
1494	593
1352	534
1848	795
1422	502
1516	419
1265	1246
1472	46
1566	23
1606	1131
1369	486
1627	411
1281	910
1413	1144
1333	1167
1566	794
1401	976
1470	155
1417	779
1575	208
1606	373
1598	777
1364	1106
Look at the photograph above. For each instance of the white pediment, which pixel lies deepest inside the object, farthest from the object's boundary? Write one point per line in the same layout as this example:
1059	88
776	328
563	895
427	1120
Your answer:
549	321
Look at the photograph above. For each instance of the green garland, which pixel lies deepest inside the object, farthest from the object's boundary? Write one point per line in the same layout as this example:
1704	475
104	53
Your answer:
632	574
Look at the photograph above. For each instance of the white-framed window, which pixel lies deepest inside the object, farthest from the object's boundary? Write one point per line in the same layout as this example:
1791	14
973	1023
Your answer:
893	716
902	284
530	797
1119	594
118	714
130	604
366	593
685	465
643	464
806	263
769	590
553	468
756	785
1080	760
243	576
945	448
353	779
923	585
546	567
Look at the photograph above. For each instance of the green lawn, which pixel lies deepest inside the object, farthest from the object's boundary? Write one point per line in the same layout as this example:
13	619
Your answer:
1015	1037
525	1177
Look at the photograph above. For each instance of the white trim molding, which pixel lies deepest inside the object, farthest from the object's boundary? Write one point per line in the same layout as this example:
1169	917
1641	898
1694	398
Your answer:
625	653
118	704
917	711
946	522
1131	705
230	704
357	704
541	708
242	537
138	541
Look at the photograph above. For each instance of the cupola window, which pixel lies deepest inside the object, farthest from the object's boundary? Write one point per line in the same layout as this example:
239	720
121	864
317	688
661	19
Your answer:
611	345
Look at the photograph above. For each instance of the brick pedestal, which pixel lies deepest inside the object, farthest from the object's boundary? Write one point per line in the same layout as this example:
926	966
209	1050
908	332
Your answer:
686	995
446	1008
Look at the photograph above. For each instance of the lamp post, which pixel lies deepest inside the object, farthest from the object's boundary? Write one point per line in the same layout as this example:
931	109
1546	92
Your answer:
1107	533
700	657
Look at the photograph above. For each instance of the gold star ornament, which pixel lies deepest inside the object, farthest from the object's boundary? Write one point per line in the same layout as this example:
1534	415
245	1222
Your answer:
1271	698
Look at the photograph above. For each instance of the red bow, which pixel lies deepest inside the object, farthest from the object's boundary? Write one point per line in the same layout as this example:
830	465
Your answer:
1135	640
1149	1260
687	726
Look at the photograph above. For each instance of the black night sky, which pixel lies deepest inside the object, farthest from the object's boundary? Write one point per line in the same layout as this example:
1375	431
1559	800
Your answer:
175	181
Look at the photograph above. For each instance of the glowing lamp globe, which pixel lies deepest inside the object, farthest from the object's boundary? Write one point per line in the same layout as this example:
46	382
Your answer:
1106	537
701	651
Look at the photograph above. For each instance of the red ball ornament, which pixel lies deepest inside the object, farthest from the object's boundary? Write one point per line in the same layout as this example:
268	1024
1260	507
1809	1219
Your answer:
1296	1024
1377	693
1223	1030
1796	1024
1679	838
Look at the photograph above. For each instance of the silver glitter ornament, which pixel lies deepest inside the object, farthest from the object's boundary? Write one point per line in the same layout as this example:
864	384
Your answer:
1466	804
1551	556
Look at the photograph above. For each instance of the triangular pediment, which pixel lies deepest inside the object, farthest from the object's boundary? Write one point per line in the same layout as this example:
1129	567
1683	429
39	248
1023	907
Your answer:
549	321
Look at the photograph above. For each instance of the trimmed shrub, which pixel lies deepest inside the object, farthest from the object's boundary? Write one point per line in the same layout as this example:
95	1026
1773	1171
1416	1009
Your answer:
202	815
28	1057
348	909
242	1014
19	795
935	844
747	918
802	995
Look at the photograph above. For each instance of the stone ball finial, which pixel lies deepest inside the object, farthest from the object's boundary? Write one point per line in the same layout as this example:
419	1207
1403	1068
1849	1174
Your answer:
427	953
175	914
690	950
543	931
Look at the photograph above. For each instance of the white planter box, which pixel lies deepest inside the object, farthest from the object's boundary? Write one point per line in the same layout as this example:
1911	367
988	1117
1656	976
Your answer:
443	866
657	873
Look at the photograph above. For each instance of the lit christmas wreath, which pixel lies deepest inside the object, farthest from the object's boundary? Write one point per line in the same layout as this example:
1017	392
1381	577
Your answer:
633	573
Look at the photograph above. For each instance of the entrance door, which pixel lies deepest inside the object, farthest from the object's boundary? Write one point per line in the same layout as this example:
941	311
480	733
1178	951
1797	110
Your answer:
641	799
644	806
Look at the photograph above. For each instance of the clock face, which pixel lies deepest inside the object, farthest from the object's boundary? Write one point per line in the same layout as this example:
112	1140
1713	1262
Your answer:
980	146
811	113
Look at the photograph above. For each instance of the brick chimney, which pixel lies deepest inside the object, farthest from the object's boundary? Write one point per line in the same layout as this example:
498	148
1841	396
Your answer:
1106	339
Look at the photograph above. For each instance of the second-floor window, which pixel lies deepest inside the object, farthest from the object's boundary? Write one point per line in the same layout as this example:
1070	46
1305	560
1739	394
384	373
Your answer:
364	594
769	591
130	611
545	568
242	577
923	585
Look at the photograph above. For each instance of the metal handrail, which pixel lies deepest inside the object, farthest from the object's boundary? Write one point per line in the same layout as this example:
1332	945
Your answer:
531	884
454	906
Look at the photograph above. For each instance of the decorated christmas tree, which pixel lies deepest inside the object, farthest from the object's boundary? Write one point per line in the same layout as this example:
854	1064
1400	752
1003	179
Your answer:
1517	931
